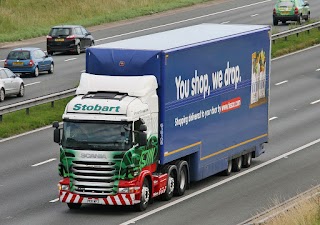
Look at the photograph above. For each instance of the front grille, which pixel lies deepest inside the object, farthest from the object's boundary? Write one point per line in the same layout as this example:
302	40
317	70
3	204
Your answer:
93	179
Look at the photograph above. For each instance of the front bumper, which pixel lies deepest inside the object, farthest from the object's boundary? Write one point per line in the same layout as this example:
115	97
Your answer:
118	199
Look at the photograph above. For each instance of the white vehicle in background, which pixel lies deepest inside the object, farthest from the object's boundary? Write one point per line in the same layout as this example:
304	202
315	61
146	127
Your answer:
10	84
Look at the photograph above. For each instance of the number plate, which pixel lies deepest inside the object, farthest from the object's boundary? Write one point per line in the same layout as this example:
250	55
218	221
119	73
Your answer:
93	200
59	39
17	63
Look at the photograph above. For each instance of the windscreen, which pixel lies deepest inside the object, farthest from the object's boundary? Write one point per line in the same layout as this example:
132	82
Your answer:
97	136
285	4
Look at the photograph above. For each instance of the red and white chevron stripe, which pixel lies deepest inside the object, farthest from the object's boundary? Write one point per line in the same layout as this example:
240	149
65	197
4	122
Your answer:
119	199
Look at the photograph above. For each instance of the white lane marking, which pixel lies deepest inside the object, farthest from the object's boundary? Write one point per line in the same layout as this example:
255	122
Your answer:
315	102
82	71
54	200
2	60
254	15
282	82
318	69
225	22
66	60
273	118
38	82
41	163
220	183
26	133
183	21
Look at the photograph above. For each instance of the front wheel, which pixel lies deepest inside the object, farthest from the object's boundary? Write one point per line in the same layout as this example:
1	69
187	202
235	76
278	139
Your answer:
78	49
145	196
74	205
21	90
51	68
299	20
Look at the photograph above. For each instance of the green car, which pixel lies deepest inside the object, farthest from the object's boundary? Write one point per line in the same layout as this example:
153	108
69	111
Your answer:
291	10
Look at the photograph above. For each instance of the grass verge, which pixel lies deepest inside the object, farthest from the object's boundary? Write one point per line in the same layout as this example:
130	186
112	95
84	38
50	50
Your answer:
33	18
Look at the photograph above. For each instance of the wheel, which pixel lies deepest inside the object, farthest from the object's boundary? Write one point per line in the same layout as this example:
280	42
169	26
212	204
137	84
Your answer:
21	90
50	52
246	160
308	17
182	178
92	43
78	49
51	68
171	171
2	95
236	164
74	205
283	21
299	19
145	196
227	171
275	21
36	72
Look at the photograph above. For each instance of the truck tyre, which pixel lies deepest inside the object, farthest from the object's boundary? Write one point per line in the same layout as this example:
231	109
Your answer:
227	171
236	164
182	178
145	196
74	205
171	170
246	160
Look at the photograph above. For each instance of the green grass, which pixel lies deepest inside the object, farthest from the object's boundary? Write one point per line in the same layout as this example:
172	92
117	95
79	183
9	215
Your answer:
33	18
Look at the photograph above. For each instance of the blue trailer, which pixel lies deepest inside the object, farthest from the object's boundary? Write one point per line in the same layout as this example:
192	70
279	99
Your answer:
198	105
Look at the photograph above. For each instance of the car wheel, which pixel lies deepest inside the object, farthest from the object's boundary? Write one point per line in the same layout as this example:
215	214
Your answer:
51	68
308	17
275	21
50	52
2	94
78	49
21	90
92	43
36	72
299	19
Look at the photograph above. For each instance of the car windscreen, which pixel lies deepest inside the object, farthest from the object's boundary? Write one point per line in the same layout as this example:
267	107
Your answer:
60	32
20	55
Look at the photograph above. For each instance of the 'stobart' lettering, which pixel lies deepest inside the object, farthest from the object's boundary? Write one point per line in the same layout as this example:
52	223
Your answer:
96	107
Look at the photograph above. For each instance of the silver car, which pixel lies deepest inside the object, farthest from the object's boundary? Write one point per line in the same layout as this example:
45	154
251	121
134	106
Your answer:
10	84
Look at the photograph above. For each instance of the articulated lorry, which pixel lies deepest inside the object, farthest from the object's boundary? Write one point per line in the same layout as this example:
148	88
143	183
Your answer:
154	113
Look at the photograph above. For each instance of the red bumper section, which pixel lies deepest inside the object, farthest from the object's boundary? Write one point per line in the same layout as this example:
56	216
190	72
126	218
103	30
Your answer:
159	187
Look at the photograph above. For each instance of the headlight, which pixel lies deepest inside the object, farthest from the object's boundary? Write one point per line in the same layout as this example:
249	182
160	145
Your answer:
63	187
128	190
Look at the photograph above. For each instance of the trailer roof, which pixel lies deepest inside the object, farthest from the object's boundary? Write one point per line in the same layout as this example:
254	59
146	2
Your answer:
184	36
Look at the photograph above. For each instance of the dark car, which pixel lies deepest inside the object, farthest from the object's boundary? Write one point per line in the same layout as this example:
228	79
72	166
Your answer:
68	38
29	60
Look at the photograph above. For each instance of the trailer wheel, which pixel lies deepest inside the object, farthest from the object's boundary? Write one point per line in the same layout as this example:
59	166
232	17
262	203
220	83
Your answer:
247	159
182	178
236	164
145	196
73	206
227	171
171	170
